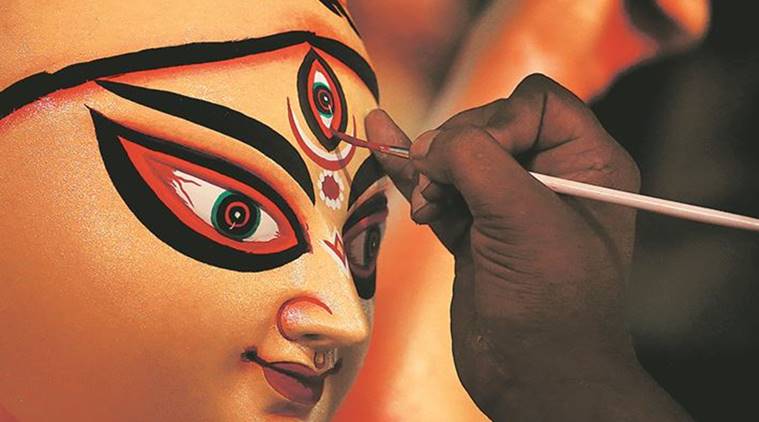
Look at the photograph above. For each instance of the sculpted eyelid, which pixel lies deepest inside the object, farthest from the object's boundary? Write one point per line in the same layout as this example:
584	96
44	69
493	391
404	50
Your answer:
164	223
375	205
223	120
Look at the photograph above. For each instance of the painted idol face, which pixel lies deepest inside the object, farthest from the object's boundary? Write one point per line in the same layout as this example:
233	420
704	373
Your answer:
183	238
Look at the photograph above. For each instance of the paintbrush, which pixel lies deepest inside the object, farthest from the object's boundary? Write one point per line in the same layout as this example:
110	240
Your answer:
598	193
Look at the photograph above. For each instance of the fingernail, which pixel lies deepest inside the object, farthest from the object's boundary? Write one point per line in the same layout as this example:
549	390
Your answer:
424	182
421	146
418	202
379	119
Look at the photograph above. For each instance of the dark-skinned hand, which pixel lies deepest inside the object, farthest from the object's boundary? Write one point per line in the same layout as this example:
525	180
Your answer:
537	316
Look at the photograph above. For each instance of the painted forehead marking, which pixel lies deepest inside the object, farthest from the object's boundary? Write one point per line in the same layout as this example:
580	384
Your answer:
223	120
34	87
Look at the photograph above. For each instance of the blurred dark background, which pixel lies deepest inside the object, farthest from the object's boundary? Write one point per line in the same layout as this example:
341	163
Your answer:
691	122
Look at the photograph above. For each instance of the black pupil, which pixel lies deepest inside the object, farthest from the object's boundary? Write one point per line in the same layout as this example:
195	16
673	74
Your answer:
372	244
324	101
236	215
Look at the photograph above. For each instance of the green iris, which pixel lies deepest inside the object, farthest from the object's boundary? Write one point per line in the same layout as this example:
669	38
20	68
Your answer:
235	215
324	100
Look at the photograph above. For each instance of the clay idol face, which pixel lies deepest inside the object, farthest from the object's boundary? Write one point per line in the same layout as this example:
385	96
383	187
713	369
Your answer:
183	236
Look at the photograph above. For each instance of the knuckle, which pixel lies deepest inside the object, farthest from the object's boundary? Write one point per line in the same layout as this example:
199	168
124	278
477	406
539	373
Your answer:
629	170
462	144
539	80
611	158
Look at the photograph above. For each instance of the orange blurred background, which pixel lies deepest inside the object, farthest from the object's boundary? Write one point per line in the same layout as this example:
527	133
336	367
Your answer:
673	81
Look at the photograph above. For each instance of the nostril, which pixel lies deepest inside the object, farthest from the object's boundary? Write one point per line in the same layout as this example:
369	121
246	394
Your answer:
299	318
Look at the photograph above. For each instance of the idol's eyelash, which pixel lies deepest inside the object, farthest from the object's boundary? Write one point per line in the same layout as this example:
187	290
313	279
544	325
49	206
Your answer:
160	220
374	205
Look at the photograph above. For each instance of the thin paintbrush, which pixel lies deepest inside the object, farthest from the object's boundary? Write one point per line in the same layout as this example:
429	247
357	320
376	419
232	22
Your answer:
598	193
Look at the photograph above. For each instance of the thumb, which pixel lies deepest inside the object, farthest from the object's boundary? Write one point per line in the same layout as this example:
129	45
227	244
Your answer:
381	129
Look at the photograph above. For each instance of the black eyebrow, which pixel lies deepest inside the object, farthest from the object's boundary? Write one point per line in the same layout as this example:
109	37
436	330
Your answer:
223	120
373	205
36	86
337	8
367	174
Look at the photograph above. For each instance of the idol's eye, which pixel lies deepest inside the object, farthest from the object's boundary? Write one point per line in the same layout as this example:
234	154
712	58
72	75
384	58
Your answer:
363	248
362	239
322	100
238	217
202	206
232	213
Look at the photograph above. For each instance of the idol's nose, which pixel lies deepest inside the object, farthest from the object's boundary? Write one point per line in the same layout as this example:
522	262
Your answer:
313	323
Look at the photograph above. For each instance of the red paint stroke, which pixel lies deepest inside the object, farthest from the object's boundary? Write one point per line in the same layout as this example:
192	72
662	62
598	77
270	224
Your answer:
329	164
337	247
292	303
331	188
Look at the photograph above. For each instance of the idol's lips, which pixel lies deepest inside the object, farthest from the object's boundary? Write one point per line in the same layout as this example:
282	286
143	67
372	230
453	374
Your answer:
294	381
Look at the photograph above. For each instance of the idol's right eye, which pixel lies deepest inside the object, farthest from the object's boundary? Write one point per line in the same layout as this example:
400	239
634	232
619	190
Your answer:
202	206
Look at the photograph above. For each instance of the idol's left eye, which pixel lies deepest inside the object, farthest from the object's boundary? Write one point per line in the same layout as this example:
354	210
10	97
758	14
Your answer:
363	237
202	206
363	248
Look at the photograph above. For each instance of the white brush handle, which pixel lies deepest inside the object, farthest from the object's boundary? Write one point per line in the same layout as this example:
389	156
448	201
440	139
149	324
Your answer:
647	203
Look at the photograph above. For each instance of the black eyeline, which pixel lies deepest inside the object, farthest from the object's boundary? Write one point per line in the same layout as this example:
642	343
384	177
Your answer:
34	87
223	120
367	174
163	223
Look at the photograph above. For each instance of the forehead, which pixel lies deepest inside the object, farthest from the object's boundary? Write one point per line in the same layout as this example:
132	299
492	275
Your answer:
40	35
259	81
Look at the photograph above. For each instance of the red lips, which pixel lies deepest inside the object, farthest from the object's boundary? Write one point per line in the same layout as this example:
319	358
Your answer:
297	383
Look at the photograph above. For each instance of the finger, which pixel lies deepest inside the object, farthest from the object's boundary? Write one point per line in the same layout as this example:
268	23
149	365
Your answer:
494	186
478	116
449	223
562	134
433	192
430	213
380	128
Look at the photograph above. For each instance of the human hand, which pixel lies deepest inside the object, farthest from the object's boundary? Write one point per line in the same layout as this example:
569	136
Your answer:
538	310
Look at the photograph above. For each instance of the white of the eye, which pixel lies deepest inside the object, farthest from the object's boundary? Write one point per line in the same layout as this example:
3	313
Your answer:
320	78
356	249
267	229
200	196
357	245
